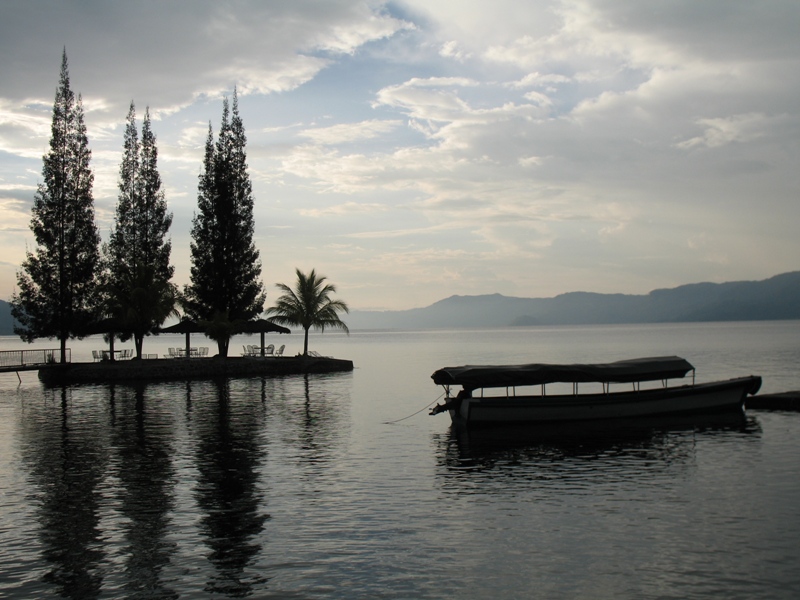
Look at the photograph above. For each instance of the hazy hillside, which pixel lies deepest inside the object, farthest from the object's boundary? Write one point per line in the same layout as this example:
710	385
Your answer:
6	321
774	298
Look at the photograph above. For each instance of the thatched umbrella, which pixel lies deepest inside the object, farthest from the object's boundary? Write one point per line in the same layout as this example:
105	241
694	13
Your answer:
185	326
109	326
262	326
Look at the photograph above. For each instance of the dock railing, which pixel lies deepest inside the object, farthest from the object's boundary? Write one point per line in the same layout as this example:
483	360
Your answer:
24	360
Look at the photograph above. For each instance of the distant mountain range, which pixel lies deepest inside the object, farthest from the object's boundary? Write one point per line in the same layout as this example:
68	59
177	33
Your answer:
774	298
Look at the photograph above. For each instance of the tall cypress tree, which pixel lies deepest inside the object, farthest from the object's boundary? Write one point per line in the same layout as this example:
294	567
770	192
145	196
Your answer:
137	274
57	284
155	220
225	286
121	253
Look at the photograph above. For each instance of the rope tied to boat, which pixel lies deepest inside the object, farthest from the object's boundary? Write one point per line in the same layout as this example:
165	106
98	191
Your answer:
414	413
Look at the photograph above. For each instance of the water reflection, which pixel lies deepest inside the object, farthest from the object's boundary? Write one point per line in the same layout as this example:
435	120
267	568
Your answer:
229	452
67	457
320	420
580	452
125	480
121	492
313	414
142	438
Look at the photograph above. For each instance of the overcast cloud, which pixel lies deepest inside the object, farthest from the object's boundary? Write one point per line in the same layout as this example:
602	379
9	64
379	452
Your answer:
412	150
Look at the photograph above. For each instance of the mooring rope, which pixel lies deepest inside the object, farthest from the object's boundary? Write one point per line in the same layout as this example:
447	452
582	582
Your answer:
415	413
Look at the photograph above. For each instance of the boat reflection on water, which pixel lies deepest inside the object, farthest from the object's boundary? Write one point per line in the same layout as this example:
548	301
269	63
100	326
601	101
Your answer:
589	450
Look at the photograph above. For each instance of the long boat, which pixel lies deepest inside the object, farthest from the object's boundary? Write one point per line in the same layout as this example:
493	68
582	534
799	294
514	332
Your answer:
641	387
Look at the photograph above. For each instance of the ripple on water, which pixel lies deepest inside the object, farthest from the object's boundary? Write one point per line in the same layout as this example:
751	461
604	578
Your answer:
298	487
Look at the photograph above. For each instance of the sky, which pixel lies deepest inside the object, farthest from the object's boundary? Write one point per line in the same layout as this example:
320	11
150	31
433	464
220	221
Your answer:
412	150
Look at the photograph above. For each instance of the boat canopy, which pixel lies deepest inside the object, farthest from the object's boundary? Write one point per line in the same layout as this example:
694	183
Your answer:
625	371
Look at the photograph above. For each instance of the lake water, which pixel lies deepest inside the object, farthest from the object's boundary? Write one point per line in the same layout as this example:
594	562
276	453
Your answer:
313	487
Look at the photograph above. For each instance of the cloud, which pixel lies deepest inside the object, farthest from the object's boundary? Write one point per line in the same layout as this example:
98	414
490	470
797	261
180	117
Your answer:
15	202
19	125
346	39
584	140
175	52
193	136
350	132
451	49
348	208
430	99
536	79
718	30
722	131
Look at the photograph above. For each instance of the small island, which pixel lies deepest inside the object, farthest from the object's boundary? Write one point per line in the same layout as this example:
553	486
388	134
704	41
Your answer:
71	285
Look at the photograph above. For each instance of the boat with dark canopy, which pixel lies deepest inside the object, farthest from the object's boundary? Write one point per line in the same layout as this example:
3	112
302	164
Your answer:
606	399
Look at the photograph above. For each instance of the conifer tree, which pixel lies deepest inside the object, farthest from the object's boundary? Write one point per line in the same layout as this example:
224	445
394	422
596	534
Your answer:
137	270
156	221
122	250
225	286
57	283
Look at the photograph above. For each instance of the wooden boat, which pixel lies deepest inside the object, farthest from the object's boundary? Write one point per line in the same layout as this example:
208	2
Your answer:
629	388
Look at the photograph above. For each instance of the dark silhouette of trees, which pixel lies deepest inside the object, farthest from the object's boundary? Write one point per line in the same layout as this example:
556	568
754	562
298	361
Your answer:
225	287
57	283
309	305
137	273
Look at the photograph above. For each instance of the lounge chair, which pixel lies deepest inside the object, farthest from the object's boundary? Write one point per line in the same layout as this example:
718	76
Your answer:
279	351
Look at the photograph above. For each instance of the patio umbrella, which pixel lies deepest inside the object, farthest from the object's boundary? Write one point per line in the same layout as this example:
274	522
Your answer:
186	326
109	326
262	326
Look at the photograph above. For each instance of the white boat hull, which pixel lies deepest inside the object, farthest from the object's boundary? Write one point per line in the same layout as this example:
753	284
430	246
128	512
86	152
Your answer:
708	397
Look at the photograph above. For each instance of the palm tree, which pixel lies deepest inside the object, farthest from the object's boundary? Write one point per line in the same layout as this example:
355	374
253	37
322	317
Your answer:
309	305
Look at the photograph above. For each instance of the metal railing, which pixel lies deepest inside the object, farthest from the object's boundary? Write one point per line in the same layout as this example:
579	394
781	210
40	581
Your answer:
11	360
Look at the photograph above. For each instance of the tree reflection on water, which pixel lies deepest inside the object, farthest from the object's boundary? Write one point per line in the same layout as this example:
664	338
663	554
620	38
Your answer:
103	463
229	452
143	443
67	462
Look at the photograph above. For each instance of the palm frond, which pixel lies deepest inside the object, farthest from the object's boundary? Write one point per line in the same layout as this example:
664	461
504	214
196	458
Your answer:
309	305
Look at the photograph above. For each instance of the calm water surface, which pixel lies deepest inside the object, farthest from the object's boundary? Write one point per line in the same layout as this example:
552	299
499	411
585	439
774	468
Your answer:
312	487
